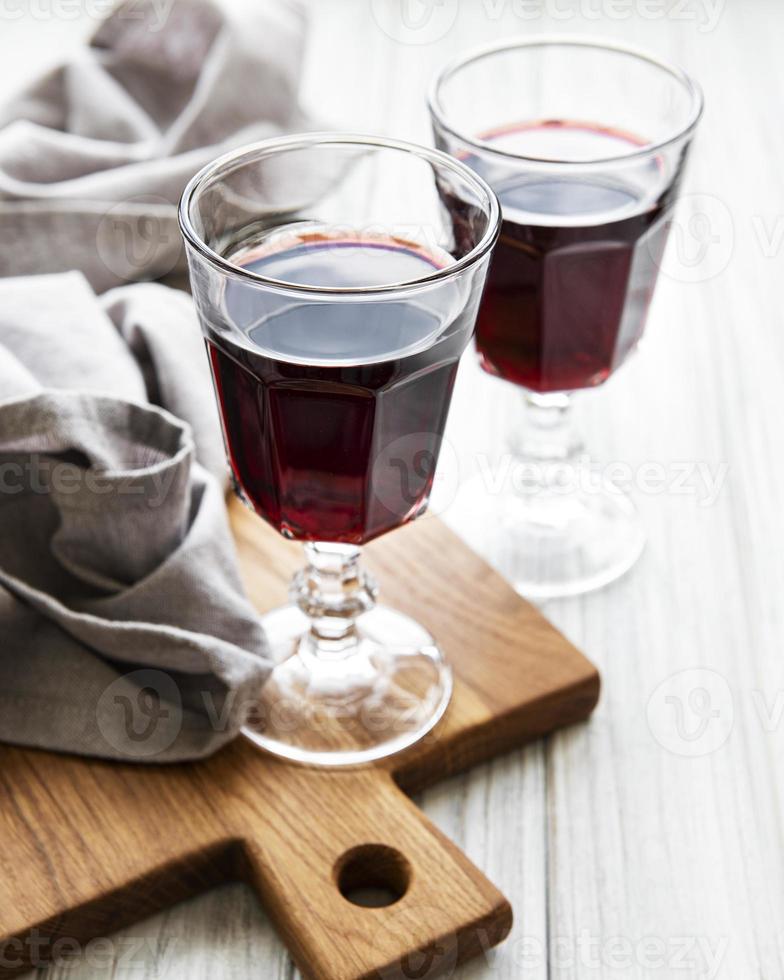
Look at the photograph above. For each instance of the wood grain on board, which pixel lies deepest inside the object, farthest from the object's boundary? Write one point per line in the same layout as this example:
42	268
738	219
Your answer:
89	847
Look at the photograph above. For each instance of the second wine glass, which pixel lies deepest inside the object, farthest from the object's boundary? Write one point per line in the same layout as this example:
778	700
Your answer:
585	144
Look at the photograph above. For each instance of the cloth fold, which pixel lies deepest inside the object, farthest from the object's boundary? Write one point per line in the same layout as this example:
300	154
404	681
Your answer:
124	630
94	155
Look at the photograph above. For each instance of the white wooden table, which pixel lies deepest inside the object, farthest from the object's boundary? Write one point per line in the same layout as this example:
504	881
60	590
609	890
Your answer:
649	842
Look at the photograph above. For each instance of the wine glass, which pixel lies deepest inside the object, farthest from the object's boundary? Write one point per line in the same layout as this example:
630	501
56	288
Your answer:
585	144
336	300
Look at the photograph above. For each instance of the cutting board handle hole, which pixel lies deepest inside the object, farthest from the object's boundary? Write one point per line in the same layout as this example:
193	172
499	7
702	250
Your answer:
373	875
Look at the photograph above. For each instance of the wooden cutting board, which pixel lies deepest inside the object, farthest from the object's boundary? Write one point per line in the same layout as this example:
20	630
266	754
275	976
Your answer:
90	847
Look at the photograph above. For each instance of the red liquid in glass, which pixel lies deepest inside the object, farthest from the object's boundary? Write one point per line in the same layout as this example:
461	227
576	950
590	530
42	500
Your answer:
573	273
333	413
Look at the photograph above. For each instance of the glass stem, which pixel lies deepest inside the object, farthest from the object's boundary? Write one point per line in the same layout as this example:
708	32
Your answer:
333	590
547	434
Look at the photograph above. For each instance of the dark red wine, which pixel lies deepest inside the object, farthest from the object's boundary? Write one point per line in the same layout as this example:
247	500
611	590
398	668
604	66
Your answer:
574	270
333	412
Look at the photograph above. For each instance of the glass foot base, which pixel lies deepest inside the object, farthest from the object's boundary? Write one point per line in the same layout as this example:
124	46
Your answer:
369	696
554	544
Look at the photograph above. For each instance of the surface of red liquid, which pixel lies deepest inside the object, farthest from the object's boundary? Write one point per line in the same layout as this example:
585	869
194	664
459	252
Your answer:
333	413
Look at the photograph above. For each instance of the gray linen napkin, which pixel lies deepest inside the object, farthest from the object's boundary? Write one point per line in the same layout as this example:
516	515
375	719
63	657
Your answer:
124	631
94	156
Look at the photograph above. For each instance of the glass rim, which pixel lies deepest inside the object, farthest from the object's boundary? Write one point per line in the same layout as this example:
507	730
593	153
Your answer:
269	147
564	40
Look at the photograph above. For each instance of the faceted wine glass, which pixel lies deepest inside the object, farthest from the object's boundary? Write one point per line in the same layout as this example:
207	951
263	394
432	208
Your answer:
585	145
336	298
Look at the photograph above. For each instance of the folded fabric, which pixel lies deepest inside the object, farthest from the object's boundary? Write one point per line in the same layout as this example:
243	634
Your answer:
139	343
94	156
124	630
